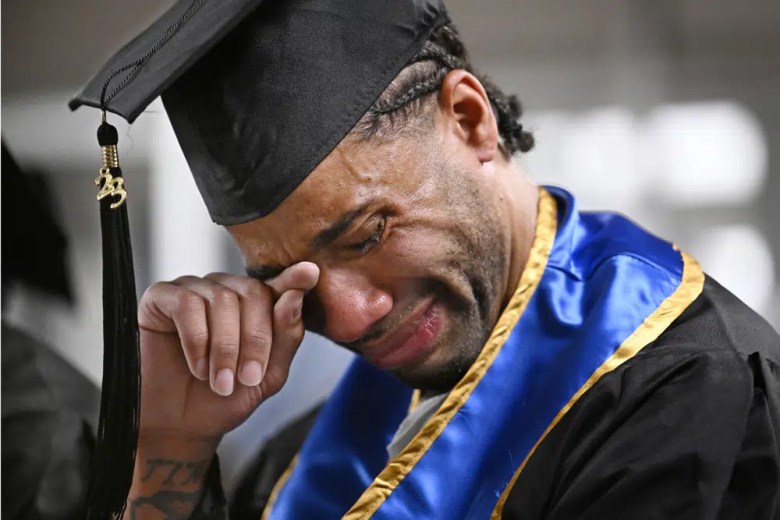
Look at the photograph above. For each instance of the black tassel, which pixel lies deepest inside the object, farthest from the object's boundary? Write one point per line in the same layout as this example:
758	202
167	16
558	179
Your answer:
117	440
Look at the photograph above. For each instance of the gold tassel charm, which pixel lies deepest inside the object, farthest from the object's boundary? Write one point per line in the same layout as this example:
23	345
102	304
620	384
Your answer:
110	185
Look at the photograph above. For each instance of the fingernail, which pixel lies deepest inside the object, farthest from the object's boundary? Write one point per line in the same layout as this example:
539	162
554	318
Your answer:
202	369
223	383
251	373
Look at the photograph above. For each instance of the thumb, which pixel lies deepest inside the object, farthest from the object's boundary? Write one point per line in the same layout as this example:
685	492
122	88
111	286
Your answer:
302	276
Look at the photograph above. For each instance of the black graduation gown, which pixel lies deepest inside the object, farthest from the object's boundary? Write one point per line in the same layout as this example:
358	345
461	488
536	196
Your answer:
687	429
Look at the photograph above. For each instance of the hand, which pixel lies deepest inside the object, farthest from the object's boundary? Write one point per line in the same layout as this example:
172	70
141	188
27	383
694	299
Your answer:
213	348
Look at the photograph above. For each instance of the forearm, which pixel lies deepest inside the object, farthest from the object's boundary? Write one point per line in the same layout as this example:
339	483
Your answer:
170	476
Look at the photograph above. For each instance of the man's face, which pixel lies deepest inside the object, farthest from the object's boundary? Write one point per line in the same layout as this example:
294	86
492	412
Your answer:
412	251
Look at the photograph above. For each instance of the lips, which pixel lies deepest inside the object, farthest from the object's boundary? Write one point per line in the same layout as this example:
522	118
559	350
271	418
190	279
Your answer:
410	342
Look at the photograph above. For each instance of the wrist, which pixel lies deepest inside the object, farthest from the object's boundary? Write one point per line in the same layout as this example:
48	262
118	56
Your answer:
171	460
170	474
162	439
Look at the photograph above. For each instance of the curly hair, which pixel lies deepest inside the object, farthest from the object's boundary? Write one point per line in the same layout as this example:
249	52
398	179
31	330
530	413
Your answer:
411	92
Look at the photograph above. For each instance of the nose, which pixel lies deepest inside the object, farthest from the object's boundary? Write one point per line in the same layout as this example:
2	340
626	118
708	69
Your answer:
349	304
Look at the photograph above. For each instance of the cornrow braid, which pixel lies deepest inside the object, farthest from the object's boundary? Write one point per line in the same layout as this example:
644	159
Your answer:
422	77
420	90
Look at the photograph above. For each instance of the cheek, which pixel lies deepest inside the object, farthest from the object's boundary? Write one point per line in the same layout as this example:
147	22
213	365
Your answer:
419	253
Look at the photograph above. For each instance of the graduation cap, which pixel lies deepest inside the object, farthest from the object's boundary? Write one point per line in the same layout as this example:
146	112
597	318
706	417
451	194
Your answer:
258	92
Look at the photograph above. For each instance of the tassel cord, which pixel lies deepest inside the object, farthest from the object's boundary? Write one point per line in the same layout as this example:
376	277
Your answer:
113	461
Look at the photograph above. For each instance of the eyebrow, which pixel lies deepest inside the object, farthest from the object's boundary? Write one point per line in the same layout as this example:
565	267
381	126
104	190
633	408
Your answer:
323	239
331	233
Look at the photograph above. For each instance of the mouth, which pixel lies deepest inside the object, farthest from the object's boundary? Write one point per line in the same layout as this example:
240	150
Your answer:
410	342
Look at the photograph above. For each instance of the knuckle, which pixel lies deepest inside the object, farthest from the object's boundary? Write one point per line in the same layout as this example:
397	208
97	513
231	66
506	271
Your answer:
225	348
294	335
153	291
256	289
184	280
198	338
221	295
259	338
188	302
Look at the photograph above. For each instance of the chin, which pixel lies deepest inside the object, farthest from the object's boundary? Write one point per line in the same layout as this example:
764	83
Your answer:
452	357
440	373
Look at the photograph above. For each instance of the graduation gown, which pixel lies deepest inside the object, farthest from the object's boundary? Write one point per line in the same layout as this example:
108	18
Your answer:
624	384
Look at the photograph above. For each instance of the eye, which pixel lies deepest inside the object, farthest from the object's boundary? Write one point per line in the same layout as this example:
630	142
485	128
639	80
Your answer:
367	245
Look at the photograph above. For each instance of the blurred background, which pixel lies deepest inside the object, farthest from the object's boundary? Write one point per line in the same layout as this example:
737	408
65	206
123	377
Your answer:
664	110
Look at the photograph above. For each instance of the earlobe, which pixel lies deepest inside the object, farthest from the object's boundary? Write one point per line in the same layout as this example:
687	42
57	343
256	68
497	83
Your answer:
466	106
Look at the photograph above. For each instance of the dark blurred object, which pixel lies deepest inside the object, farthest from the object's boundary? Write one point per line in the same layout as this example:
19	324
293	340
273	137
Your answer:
49	409
33	245
48	415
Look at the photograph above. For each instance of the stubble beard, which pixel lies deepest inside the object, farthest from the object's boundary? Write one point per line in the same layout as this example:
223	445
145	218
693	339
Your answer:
480	258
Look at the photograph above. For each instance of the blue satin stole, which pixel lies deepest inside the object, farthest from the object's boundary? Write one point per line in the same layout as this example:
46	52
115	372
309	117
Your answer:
599	280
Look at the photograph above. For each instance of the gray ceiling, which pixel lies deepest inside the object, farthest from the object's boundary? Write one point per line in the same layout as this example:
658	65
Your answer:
54	45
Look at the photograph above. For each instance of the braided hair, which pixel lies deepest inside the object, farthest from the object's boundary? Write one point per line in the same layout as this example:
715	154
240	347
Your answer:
413	89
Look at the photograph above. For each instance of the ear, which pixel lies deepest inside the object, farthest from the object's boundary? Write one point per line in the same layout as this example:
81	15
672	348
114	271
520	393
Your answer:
467	112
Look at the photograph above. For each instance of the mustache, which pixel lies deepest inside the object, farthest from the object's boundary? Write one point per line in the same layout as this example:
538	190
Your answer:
383	327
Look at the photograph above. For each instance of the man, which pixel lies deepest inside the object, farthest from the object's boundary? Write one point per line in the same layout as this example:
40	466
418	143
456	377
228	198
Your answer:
567	365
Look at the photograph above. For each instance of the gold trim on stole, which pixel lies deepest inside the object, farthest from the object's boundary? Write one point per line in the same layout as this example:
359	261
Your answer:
278	488
400	466
670	309
415	400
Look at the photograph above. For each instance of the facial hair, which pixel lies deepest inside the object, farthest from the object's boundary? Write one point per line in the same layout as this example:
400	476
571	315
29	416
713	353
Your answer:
478	254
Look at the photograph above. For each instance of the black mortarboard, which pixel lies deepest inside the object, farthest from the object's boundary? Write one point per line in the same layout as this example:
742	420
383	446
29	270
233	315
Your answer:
258	92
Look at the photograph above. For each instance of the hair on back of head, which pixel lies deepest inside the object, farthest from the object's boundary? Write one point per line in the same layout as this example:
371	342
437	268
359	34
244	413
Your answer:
405	103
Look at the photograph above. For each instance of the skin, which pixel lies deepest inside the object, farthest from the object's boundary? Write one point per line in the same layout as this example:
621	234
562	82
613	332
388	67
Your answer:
441	227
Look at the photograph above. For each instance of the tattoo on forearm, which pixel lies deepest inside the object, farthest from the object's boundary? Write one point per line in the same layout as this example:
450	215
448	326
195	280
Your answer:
175	505
198	470
171	474
193	472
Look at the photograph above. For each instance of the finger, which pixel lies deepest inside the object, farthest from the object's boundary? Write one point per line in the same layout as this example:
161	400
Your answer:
224	324
170	308
288	334
255	299
302	276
